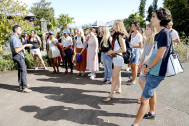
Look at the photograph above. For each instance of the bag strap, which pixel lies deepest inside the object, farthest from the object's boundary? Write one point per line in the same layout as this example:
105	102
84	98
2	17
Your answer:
113	41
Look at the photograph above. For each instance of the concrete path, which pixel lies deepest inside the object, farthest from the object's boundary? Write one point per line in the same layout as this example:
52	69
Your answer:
65	100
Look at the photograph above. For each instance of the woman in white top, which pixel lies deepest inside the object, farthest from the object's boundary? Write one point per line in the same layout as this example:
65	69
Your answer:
136	43
79	47
118	47
67	52
53	51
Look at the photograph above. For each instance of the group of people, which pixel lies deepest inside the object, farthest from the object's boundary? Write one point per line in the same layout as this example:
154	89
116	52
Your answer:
150	53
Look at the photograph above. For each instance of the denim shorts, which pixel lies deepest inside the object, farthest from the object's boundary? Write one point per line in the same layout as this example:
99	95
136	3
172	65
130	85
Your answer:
136	54
118	61
151	84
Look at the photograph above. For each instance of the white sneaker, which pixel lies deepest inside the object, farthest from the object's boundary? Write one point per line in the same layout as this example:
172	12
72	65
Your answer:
92	76
45	68
36	68
103	80
108	82
26	90
128	69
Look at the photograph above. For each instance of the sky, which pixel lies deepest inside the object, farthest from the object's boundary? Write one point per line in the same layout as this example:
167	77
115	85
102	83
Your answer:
88	11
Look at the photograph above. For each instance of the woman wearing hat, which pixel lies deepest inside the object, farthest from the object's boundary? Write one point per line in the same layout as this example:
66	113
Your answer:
53	51
35	50
79	44
66	50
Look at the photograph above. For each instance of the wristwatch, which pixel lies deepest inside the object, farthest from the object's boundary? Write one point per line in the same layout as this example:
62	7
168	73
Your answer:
146	65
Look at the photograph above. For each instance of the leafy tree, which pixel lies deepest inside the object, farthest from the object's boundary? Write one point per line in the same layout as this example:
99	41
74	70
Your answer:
9	16
155	5
180	14
64	20
43	9
142	8
150	12
133	17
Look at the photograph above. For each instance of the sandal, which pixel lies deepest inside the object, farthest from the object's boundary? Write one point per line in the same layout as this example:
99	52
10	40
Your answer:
78	74
131	83
117	92
83	74
54	72
108	99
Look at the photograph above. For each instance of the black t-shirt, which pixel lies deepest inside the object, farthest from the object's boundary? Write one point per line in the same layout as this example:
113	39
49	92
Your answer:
99	40
105	49
162	39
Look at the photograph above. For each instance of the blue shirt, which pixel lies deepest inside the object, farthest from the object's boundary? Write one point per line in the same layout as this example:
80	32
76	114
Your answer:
162	39
15	43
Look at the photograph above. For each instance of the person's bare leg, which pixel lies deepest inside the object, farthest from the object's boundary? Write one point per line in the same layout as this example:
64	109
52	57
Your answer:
52	64
41	60
152	104
35	60
134	73
115	79
142	110
119	82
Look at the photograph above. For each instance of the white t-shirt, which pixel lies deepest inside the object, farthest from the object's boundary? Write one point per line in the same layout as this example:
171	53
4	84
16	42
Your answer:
50	42
135	41
174	34
79	43
66	41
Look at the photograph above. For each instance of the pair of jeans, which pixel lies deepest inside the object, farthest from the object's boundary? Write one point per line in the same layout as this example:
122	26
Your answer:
107	61
68	58
22	80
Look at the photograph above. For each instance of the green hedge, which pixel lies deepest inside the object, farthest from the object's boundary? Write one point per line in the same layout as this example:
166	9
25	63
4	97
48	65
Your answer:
183	49
6	62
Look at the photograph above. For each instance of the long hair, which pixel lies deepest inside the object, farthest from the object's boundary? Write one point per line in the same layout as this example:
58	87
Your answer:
120	27
150	38
81	30
106	35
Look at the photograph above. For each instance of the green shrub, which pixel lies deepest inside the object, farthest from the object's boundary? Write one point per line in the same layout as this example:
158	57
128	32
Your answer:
6	65
183	50
6	62
30	61
1	50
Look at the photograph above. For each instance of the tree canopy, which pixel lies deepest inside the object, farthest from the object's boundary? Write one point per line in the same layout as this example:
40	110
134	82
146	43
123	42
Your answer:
180	14
43	9
133	17
142	8
64	20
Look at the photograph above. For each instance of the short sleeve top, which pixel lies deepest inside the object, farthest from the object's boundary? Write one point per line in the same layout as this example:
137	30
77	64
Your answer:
135	41
162	39
50	42
66	41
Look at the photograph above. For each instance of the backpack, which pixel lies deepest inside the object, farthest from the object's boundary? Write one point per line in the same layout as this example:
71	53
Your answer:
81	39
127	56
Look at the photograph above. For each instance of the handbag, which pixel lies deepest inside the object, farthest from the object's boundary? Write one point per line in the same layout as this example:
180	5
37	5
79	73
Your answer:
174	65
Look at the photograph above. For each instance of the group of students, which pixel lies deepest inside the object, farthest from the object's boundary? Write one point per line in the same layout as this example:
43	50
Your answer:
86	46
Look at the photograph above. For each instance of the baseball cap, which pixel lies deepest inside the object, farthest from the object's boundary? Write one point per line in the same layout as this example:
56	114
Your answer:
51	32
67	31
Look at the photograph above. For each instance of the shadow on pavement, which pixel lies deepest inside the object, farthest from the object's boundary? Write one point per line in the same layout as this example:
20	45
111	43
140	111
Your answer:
80	116
71	79
79	96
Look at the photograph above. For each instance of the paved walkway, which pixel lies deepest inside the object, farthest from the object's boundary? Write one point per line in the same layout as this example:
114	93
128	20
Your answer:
65	100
